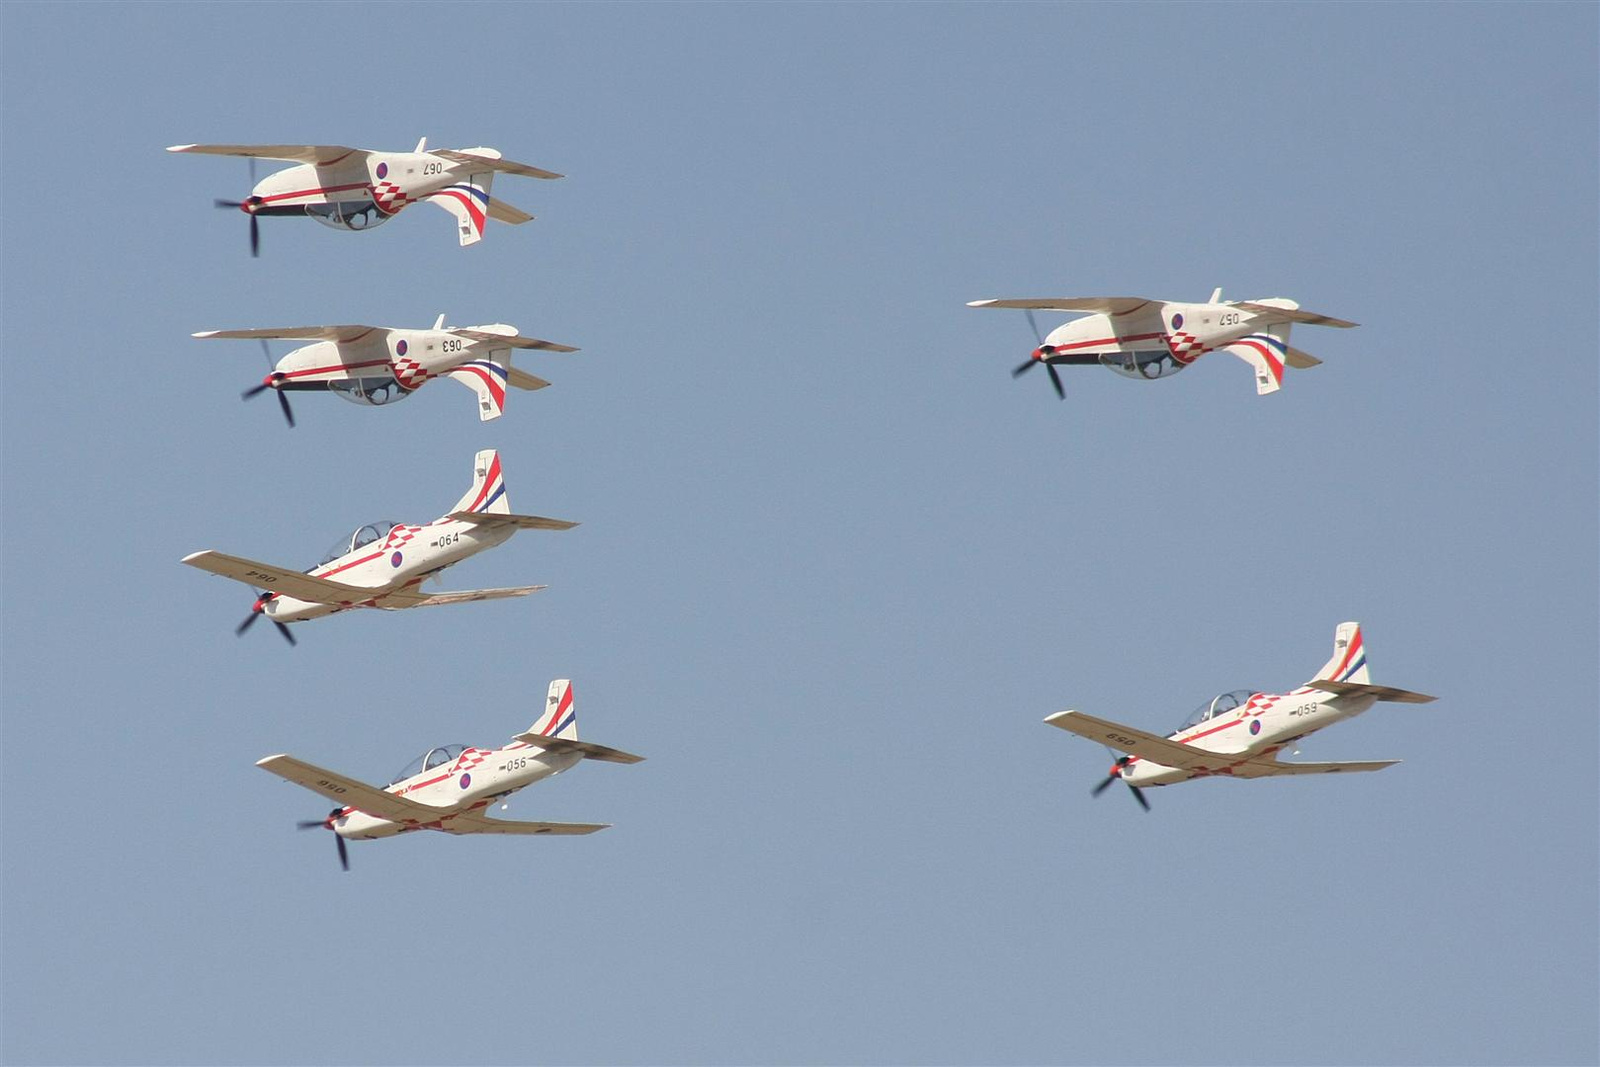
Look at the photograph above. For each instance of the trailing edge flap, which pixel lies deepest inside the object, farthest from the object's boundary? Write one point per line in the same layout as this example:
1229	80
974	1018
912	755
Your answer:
521	522
1267	768
469	596
478	823
1382	692
587	749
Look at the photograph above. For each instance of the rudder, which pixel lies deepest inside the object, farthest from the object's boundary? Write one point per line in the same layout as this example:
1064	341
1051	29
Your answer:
468	201
559	718
488	492
1349	662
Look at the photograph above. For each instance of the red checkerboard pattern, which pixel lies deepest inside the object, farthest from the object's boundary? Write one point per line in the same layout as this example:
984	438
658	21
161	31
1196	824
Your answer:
389	198
1185	347
400	535
408	372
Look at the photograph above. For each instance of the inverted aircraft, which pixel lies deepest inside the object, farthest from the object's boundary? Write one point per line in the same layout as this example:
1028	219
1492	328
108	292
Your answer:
383	564
1240	734
382	364
1148	339
356	188
449	788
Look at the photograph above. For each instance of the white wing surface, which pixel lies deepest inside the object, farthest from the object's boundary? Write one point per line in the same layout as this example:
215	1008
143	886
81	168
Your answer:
586	749
345	790
280	580
504	166
1146	746
323	155
1105	305
521	522
511	340
1277	314
341	334
468	596
477	823
1270	766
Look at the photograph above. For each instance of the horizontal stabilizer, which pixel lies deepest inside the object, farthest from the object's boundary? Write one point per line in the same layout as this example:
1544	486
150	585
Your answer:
501	211
521	522
1270	767
587	749
504	166
1296	358
469	596
523	380
1105	305
322	155
280	580
511	340
1147	746
347	791
477	823
1278	314
339	334
1382	692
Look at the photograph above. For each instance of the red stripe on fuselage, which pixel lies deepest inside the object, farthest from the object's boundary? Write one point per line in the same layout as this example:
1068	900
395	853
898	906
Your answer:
313	192
1110	341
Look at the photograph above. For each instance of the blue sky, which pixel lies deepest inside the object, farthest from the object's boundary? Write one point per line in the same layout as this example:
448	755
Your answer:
835	564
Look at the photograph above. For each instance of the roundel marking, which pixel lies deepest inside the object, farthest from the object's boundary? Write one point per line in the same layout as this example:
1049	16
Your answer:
1177	321
466	780
1255	726
394	560
383	170
400	346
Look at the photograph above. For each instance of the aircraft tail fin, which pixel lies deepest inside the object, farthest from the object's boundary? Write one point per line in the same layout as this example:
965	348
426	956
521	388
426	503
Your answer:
488	492
1267	351
468	201
1349	662
486	377
559	718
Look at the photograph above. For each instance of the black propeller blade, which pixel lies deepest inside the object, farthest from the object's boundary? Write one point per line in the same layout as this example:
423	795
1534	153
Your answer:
256	612
255	225
1041	354
1116	773
270	382
327	824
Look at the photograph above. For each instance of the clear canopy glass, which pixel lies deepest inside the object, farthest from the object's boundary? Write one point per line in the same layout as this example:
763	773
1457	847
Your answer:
440	756
376	390
1219	705
1145	363
348	214
363	536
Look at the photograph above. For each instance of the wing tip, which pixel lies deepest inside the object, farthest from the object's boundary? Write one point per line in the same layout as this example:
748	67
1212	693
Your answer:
181	147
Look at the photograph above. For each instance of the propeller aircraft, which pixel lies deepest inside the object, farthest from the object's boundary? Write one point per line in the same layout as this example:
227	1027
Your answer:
1240	734
380	364
1149	339
382	564
449	787
356	189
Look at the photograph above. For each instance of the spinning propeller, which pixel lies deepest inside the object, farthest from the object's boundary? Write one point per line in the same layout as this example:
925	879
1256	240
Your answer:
1041	354
327	824
1116	773
271	381
259	610
249	208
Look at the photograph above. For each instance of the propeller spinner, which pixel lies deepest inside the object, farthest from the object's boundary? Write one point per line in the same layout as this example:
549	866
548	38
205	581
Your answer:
327	824
1041	354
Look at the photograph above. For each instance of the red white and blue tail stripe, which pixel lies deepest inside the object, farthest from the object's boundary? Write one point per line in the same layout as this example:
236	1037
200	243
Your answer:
1266	355
468	201
560	719
487	379
1349	662
488	492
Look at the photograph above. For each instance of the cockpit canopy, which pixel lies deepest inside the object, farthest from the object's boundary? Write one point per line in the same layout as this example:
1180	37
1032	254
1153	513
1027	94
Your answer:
441	756
377	389
1146	363
364	535
348	214
1219	705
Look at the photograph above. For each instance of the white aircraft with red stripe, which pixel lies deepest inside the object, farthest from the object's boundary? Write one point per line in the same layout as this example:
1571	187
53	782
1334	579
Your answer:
1240	734
382	364
383	564
1148	339
357	189
449	788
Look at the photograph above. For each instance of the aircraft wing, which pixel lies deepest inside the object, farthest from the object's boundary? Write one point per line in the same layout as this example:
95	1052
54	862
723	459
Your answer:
467	596
1146	746
521	522
344	790
1268	766
523	380
321	154
477	823
341	334
501	211
1382	692
505	166
279	580
511	340
587	749
1107	305
1277	314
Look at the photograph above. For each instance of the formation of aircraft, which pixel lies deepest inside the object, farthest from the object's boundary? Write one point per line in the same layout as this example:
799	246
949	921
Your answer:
449	787
356	188
1142	338
1240	734
382	364
383	564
